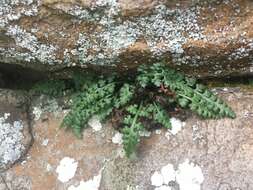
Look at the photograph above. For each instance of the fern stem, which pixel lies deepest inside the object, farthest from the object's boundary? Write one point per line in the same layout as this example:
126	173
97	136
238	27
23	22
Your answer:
136	116
184	96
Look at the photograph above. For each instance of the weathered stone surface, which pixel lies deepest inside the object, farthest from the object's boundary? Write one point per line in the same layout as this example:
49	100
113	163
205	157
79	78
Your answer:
203	38
11	181
15	134
52	144
221	150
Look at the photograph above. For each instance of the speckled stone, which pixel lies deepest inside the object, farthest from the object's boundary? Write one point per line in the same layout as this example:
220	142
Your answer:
15	134
221	149
202	38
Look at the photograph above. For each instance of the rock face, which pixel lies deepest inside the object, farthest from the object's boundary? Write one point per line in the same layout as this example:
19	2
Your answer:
204	154
202	38
15	134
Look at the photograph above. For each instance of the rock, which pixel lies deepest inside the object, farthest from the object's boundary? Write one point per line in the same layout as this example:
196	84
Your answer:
14	182
204	154
15	132
202	38
43	159
215	153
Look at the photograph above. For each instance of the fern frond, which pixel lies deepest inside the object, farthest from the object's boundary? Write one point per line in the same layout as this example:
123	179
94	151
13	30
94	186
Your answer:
156	113
54	88
189	94
161	116
96	100
126	93
83	81
131	132
100	95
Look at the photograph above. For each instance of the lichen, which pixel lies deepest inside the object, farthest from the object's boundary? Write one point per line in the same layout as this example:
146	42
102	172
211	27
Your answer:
8	11
42	52
166	27
66	169
43	105
244	51
92	184
117	138
176	126
95	123
187	176
11	137
167	31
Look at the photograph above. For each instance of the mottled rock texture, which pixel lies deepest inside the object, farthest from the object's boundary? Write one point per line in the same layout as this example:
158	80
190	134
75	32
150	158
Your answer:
223	149
200	37
15	134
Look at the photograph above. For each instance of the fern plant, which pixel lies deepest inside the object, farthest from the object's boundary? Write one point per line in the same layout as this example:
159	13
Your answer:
132	129
54	88
136	98
96	99
133	123
99	98
186	91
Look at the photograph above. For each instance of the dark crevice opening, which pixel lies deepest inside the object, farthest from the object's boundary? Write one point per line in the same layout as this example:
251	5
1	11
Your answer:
18	77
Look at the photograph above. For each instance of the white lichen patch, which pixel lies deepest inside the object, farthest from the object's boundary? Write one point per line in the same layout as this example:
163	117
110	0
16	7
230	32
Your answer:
133	187
244	51
176	126
66	169
95	123
45	142
92	184
11	138
37	113
46	105
157	179
158	131
187	176
107	44
49	168
169	174
117	138
145	133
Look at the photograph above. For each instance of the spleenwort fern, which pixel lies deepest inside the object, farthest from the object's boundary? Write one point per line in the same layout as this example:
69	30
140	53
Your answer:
161	116
132	129
187	92
126	93
96	99
53	88
102	96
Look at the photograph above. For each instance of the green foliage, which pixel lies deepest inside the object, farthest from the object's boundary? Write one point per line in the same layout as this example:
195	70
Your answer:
132	129
161	116
187	92
95	100
99	98
251	82
126	93
54	88
133	124
82	81
136	99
